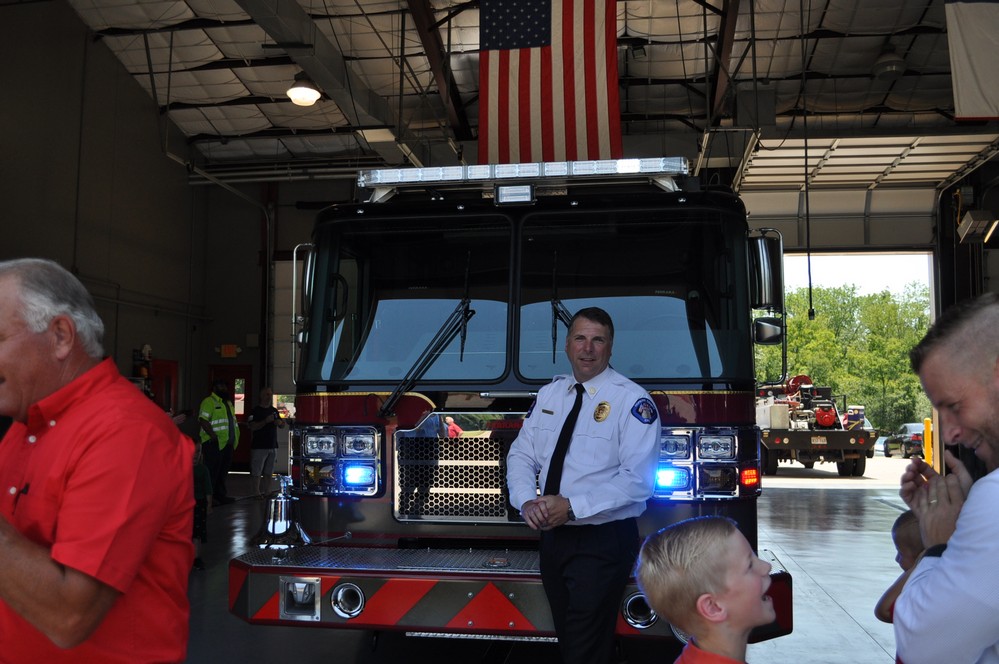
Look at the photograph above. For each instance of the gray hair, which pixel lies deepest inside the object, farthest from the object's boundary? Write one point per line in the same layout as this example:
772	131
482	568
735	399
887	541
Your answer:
48	290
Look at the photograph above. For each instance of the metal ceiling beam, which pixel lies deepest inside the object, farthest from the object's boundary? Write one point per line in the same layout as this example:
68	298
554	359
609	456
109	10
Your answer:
423	18
288	24
723	55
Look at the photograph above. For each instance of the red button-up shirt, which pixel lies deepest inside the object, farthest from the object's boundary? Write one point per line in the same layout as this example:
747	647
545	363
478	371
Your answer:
101	477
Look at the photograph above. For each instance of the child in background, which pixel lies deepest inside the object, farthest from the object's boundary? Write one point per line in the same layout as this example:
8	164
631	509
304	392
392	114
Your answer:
202	504
908	545
702	576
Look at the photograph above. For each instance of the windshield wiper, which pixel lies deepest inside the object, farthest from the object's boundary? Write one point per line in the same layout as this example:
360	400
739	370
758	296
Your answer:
559	312
455	324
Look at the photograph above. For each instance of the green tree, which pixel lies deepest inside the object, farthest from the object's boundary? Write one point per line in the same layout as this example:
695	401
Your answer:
858	346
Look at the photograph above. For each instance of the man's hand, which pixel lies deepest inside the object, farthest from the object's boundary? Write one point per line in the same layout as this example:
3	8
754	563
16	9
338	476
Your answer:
915	478
936	499
545	512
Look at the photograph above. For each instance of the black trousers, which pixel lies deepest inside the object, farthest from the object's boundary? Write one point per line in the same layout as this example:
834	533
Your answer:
584	570
218	462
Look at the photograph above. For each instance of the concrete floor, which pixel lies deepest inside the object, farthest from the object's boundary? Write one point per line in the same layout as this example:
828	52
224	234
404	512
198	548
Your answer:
831	533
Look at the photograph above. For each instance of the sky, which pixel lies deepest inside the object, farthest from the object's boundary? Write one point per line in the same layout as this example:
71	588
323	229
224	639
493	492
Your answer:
871	273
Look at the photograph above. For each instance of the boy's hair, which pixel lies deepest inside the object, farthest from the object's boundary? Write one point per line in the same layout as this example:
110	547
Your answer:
905	532
679	563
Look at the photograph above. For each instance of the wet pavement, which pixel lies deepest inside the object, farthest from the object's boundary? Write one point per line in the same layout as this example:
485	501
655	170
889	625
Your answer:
831	533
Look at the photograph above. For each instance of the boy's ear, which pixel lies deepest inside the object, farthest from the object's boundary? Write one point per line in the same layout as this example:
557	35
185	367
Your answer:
709	609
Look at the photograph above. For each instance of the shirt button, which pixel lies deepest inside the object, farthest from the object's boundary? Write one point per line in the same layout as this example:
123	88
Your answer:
51	423
32	438
12	490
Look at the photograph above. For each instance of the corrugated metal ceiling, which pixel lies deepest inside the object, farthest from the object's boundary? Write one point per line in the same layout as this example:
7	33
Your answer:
745	90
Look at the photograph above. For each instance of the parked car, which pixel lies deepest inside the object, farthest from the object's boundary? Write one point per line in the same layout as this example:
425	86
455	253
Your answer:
908	440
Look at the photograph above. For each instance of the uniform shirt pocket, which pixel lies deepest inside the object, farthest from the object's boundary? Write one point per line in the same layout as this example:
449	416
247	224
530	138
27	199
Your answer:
592	445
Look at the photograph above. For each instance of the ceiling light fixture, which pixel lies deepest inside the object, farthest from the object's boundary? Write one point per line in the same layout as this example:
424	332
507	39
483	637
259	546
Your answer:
889	66
303	91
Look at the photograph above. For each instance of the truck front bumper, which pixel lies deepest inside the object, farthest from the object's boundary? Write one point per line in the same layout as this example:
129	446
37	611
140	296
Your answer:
483	593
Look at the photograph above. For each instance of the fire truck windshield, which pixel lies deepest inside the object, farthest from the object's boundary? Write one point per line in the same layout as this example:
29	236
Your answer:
666	281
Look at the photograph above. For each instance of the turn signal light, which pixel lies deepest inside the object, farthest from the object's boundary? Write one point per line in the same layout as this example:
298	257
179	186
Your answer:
749	477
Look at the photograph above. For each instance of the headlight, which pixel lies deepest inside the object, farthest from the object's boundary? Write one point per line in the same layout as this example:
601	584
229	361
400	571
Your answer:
320	443
718	479
716	447
343	460
355	445
675	446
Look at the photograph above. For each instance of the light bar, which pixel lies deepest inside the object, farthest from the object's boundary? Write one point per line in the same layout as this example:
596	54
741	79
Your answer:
534	170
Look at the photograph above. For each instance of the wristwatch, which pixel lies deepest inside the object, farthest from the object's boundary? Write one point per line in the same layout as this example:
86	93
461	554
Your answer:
572	515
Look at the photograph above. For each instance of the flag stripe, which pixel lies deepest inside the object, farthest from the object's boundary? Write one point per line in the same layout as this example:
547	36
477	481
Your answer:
613	106
589	140
569	98
557	97
547	125
557	89
526	110
503	106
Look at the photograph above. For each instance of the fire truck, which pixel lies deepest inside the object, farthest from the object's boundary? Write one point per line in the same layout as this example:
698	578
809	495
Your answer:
445	297
799	421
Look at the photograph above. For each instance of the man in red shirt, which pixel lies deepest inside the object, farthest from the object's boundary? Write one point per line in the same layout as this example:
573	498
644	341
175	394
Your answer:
453	430
96	497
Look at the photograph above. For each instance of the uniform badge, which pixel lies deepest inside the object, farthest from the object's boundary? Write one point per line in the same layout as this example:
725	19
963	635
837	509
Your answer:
644	411
601	412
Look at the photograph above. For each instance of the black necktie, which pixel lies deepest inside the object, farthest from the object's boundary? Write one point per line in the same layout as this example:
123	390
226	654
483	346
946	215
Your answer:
554	480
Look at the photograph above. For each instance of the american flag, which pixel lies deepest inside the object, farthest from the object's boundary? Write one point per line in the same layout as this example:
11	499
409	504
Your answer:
548	81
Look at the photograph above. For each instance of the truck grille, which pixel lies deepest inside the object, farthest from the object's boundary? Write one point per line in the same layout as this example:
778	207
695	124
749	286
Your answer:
452	479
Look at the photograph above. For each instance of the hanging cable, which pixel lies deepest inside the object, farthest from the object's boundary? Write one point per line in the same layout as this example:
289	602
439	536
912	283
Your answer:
804	115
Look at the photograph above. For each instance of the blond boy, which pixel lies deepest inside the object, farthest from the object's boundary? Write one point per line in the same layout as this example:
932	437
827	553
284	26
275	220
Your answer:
702	576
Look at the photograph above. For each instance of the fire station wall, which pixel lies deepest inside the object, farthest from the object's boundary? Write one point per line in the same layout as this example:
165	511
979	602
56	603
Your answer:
86	183
251	295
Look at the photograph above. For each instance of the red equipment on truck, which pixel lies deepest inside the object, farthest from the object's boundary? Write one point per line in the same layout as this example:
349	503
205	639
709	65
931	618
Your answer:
447	295
799	422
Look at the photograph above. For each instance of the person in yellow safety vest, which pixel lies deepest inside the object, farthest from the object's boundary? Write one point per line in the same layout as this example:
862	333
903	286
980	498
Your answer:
219	437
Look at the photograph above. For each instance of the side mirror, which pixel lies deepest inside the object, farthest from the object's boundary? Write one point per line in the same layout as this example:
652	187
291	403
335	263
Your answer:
766	265
768	331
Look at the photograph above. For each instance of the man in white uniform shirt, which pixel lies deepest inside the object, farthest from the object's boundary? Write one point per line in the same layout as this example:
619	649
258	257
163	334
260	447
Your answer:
588	523
949	608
